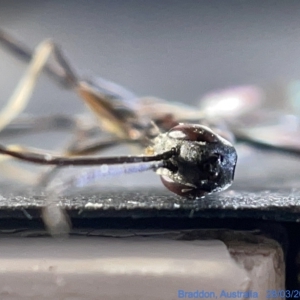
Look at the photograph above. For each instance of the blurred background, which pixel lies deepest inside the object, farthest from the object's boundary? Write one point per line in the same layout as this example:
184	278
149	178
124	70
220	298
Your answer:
176	50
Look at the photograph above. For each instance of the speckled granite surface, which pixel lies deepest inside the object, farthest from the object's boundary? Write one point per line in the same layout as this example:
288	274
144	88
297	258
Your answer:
278	205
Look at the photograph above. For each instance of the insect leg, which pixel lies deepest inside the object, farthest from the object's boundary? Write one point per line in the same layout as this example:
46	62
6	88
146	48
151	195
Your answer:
22	93
248	138
46	159
54	216
75	148
24	176
20	98
16	172
25	54
56	219
103	98
32	124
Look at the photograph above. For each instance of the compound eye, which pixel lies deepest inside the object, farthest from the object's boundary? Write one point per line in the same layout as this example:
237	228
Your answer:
195	133
181	189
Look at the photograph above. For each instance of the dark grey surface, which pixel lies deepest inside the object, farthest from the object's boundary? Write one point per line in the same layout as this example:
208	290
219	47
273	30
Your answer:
279	205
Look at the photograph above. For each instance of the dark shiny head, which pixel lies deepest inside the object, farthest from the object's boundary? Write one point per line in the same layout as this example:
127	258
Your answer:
205	162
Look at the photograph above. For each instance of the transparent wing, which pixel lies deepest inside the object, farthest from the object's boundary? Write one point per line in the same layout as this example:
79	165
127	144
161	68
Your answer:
264	117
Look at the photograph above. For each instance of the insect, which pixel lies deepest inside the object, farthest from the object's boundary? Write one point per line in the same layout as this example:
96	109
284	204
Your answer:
187	147
191	159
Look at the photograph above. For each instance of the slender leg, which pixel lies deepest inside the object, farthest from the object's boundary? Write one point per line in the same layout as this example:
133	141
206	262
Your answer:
96	146
51	160
26	54
33	124
16	172
22	93
19	99
104	98
99	103
55	219
74	149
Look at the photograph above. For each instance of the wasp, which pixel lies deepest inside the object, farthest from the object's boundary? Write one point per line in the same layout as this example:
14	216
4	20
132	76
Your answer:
188	147
191	159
